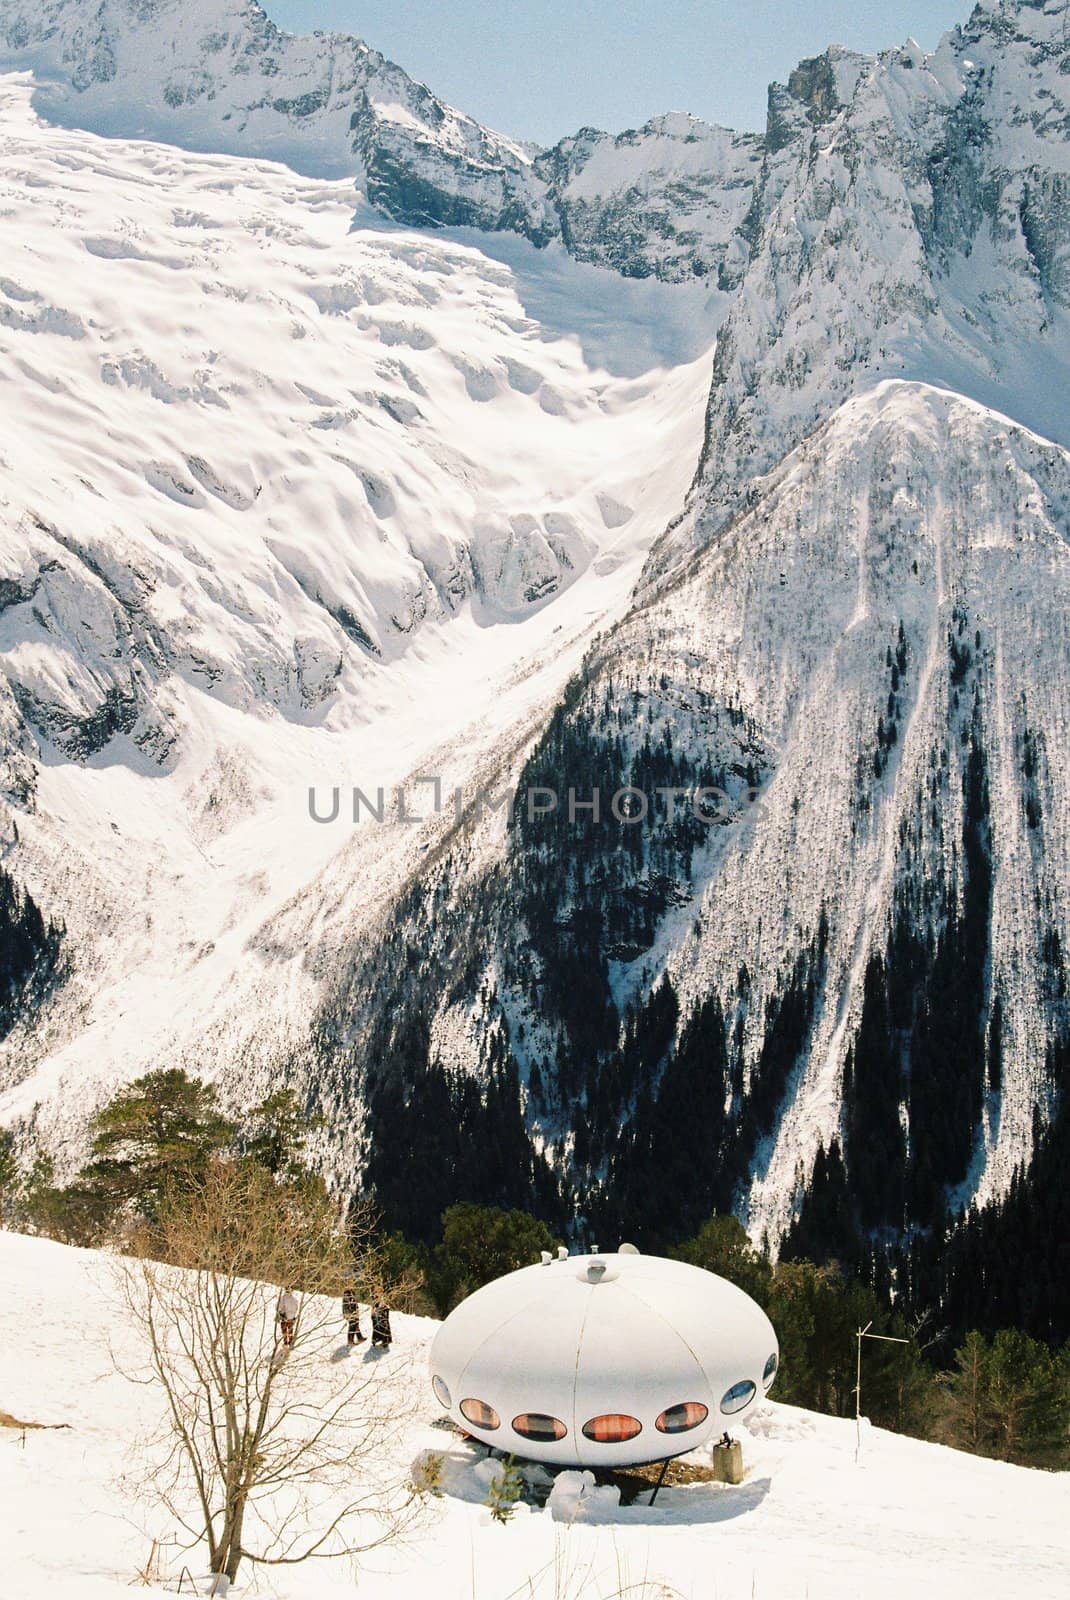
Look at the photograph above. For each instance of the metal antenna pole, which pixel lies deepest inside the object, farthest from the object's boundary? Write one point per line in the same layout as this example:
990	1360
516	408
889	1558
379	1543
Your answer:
860	1335
885	1338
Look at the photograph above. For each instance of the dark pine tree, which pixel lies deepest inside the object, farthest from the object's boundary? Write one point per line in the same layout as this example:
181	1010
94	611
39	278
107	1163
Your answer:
29	952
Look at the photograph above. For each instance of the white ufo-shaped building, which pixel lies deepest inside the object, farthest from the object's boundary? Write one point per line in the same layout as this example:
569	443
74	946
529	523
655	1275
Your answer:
603	1360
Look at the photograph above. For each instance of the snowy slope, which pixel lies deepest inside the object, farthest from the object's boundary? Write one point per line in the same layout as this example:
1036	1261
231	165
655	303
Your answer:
284	503
887	621
905	1518
219	75
914	509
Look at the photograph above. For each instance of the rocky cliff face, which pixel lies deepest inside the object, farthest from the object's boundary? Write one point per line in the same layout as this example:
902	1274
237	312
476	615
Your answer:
667	199
909	221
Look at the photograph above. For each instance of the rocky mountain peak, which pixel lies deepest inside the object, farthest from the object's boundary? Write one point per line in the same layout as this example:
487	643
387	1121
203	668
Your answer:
1009	20
912	219
663	200
825	83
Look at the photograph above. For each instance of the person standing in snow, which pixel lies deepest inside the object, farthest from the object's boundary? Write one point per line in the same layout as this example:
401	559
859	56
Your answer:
351	1312
286	1316
382	1338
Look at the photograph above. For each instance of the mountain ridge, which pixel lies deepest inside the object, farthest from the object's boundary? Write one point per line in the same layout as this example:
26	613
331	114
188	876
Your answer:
841	704
906	228
332	107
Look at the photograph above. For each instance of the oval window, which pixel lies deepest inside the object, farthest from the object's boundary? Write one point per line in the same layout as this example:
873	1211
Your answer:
542	1430
770	1369
441	1392
740	1395
612	1429
682	1418
480	1415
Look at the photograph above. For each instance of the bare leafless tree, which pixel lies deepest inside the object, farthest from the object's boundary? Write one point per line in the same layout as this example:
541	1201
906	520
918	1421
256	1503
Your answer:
273	1449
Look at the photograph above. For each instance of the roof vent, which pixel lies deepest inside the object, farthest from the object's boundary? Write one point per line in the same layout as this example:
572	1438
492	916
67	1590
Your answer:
596	1271
628	1250
562	1252
546	1257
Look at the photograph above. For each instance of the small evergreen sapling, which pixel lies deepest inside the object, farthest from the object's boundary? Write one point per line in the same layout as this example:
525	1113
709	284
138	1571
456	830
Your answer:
504	1491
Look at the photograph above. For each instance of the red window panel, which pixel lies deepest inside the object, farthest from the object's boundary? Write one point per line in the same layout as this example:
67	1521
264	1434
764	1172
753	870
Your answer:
480	1415
542	1429
682	1418
614	1428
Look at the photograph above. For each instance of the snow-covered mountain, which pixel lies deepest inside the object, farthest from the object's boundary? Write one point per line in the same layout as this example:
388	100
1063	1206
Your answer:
309	487
869	670
218	75
284	504
860	617
668	199
911	220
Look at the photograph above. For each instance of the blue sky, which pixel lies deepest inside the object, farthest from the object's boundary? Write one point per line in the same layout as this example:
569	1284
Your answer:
540	69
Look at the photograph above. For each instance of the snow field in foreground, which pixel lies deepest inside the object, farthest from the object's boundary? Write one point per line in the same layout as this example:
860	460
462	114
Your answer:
909	1519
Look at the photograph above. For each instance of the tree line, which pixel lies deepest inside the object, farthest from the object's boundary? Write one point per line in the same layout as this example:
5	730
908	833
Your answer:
1002	1393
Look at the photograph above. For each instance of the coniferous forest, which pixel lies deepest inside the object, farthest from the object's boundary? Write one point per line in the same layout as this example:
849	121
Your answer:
642	1116
29	952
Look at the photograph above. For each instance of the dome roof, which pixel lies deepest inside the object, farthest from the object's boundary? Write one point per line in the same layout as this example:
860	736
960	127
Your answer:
601	1360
